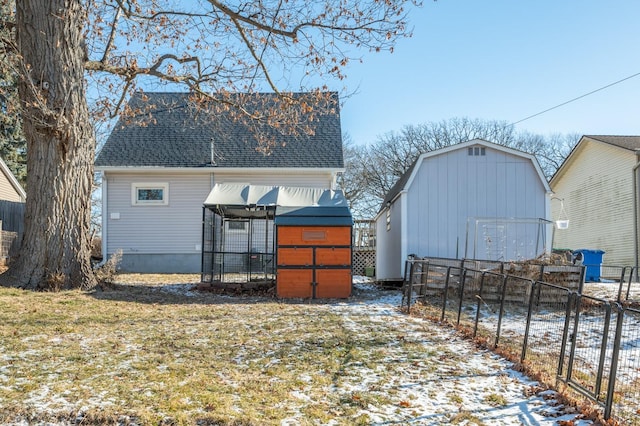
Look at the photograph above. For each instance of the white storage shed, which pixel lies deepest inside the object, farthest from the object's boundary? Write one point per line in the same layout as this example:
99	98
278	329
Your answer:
474	200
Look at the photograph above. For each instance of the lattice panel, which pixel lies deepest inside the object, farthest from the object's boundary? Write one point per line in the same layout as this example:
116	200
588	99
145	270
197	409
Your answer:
363	259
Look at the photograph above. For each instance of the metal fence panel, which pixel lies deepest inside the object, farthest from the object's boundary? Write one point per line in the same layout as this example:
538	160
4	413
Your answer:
489	307
593	344
591	332
547	329
626	396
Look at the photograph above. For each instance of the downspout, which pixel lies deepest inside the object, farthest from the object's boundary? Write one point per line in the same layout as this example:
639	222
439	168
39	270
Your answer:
635	211
104	221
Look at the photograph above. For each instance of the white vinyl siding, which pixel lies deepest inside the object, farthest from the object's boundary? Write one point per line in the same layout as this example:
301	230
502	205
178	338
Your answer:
597	187
177	226
172	228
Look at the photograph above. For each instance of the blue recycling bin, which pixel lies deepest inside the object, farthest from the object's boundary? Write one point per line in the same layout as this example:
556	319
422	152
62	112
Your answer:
592	259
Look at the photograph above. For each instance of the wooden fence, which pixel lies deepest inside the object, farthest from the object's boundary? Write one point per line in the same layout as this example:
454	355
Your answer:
12	228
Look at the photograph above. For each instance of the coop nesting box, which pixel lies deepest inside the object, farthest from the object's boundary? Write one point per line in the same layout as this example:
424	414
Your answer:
313	252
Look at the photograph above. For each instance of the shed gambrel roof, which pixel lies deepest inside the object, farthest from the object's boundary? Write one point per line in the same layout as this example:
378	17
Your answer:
405	180
180	136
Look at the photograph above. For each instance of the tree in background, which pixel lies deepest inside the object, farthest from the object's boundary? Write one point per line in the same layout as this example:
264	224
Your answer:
12	142
211	48
375	168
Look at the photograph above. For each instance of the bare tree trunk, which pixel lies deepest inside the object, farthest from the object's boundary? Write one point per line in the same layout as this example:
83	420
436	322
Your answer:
55	252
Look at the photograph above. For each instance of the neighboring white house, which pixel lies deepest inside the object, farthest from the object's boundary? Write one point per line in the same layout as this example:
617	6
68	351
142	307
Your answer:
12	198
595	185
471	200
157	176
10	188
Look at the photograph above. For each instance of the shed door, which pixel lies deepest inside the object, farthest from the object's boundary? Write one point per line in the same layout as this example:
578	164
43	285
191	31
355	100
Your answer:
314	261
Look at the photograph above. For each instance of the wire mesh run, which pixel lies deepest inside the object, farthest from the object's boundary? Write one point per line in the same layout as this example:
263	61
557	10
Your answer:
238	249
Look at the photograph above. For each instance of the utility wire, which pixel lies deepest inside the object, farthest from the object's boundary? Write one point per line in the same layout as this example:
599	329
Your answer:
575	99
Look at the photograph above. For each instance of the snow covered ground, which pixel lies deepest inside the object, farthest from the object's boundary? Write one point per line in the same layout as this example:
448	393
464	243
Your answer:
414	372
466	385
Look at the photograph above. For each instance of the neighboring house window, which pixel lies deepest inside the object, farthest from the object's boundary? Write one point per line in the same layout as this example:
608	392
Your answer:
389	218
149	194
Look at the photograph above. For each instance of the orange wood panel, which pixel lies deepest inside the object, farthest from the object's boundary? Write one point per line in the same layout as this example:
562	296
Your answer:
333	283
333	256
314	235
294	283
295	256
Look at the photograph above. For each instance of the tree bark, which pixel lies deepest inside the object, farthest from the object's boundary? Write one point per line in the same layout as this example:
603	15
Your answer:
55	251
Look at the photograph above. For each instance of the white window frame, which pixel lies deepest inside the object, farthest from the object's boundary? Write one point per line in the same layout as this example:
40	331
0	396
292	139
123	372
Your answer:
136	186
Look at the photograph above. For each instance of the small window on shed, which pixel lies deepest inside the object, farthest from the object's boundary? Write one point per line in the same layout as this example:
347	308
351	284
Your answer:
476	151
389	218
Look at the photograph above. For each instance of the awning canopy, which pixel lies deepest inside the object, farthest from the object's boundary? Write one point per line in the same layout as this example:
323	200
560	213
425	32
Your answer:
242	200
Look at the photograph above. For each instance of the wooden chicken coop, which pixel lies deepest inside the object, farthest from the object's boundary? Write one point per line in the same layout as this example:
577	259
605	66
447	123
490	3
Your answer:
313	252
296	238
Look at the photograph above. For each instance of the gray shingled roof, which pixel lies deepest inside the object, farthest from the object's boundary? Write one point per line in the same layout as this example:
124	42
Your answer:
628	142
180	136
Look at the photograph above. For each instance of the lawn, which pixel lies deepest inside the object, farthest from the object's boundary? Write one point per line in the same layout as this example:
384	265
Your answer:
150	351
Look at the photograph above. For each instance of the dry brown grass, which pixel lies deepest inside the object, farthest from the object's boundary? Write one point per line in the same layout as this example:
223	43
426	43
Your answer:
146	351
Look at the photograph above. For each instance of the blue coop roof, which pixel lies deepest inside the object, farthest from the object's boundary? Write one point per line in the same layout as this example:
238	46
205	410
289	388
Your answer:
314	215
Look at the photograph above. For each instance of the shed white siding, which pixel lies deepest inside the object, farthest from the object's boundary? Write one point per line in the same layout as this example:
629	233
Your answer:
389	260
596	185
451	188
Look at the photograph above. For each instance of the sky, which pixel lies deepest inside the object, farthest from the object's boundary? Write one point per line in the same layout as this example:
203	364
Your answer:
503	60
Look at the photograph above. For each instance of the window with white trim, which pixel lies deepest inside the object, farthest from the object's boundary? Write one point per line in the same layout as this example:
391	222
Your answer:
149	194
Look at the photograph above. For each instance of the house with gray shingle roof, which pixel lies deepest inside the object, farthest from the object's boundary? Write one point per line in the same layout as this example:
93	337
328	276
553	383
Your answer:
158	168
594	191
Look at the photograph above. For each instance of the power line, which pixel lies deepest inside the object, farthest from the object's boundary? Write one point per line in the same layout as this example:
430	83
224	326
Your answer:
575	99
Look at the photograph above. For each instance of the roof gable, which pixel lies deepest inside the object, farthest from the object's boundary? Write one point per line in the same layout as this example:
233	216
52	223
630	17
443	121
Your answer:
12	180
405	180
183	137
629	143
